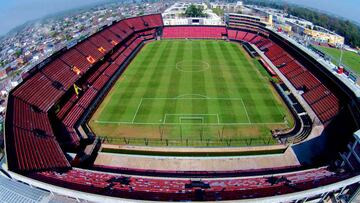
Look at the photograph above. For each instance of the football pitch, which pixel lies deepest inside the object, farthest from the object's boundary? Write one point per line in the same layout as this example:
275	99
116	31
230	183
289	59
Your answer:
191	92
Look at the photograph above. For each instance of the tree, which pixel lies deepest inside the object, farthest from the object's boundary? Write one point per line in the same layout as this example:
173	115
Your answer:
345	28
18	53
194	11
218	11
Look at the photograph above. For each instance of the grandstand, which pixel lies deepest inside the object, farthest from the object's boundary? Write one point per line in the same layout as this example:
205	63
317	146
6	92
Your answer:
48	143
194	32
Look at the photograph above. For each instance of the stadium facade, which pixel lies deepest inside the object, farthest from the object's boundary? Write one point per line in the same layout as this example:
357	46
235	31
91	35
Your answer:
49	145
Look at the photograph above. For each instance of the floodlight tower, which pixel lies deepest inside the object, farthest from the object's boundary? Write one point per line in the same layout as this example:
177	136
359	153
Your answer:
341	55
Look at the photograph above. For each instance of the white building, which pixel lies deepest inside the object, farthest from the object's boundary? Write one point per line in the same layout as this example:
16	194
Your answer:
174	15
229	7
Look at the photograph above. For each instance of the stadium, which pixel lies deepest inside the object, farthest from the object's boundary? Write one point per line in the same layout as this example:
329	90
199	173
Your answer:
145	111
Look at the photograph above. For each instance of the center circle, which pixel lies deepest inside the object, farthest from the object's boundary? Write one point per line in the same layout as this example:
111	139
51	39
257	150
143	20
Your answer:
192	66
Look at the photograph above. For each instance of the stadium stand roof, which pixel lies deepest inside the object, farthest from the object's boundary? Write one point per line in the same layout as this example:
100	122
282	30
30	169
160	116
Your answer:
13	191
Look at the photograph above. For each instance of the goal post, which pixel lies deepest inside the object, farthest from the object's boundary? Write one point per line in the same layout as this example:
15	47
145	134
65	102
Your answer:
194	127
191	119
191	127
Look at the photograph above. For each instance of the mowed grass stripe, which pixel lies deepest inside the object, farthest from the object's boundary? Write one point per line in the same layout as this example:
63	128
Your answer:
227	114
152	77
213	90
174	80
150	112
123	93
237	75
267	106
208	83
240	74
186	79
196	55
198	81
165	60
139	88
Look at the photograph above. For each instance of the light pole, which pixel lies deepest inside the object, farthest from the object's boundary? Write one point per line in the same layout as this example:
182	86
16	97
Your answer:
341	55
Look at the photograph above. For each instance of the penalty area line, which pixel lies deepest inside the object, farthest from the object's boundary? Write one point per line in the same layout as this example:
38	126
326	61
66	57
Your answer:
161	123
247	115
137	110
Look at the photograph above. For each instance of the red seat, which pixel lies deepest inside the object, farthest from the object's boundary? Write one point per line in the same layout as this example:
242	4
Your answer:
172	189
194	32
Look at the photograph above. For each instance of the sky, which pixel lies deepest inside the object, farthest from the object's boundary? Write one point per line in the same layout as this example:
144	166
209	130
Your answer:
16	12
345	8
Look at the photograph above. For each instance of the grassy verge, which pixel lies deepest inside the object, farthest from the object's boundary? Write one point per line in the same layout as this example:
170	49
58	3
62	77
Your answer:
350	59
193	154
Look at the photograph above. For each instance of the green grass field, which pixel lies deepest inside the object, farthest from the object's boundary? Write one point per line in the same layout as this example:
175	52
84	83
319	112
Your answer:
193	93
350	59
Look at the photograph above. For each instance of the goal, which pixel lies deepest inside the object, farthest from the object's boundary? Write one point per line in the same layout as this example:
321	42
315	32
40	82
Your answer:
191	120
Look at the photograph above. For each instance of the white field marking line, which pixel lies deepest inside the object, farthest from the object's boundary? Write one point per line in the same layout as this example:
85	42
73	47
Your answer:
162	66
267	87
184	98
218	119
164	121
192	65
191	114
189	118
209	124
137	110
277	106
196	65
190	71
247	115
207	98
185	95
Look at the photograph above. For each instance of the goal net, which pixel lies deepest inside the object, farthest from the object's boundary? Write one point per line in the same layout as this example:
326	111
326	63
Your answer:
191	120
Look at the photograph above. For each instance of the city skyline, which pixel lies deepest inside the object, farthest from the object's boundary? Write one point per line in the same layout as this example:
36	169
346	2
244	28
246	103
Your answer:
18	12
34	9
